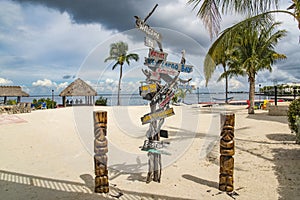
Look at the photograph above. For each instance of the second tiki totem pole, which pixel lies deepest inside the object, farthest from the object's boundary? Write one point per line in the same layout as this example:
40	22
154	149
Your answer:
227	151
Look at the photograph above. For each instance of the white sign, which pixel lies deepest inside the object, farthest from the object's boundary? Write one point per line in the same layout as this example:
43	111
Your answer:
149	42
167	71
148	30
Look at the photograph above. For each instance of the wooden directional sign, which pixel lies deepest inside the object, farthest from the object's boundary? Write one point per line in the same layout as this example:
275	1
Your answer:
147	29
150	62
148	91
157	115
149	88
157	55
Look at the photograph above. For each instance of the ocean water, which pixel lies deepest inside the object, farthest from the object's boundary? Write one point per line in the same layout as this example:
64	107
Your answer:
136	99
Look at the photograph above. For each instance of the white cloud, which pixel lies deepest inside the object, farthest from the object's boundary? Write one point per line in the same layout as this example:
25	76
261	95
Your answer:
62	86
109	81
44	83
4	81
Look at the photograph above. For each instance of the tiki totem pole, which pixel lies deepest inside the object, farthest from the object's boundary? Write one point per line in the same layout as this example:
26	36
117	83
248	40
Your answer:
100	150
226	151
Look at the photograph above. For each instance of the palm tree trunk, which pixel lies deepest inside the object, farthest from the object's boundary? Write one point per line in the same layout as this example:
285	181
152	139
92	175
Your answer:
251	93
119	85
226	85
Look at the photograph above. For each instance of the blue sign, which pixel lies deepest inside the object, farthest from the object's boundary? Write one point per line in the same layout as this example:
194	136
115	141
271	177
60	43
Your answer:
166	64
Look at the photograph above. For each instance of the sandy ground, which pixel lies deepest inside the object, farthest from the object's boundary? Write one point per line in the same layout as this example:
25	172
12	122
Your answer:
47	154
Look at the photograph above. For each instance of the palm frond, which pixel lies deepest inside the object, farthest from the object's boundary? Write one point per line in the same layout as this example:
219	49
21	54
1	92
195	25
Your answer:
209	10
115	65
209	14
131	56
110	58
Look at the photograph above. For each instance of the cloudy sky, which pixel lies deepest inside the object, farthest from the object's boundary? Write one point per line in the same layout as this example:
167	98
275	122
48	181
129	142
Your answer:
46	44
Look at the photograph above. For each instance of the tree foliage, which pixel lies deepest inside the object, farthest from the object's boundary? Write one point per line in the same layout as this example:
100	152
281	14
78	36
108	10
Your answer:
294	117
119	53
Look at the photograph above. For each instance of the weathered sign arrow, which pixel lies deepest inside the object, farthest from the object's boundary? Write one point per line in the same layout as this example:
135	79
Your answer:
157	115
150	62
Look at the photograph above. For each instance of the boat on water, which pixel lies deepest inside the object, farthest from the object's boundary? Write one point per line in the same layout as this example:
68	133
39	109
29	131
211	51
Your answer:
223	99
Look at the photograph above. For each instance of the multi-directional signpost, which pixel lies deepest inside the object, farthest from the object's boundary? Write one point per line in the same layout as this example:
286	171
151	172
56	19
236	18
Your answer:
161	83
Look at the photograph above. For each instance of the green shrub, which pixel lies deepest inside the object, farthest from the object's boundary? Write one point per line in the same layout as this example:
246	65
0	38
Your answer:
11	102
101	101
293	114
48	101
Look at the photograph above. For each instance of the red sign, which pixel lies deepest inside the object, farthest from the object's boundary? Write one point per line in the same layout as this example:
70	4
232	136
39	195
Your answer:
157	55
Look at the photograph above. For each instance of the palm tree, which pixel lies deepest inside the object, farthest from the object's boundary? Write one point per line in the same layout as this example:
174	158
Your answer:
181	93
219	55
254	52
119	53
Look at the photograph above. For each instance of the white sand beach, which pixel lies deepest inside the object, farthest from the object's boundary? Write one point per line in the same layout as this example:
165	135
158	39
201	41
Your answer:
47	154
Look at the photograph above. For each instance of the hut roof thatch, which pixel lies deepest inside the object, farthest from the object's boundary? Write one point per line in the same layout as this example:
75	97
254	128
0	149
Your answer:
12	91
78	88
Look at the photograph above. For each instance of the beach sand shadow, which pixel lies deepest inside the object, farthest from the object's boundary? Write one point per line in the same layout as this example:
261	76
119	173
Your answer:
201	181
287	171
267	117
22	186
282	137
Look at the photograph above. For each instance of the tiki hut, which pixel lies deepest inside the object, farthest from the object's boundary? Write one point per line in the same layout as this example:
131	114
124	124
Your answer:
79	88
12	91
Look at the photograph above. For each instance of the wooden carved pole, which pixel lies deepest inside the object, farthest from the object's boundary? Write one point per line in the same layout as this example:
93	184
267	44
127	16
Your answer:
100	150
226	151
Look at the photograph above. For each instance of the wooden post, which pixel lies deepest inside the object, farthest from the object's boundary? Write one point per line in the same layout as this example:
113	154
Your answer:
226	151
100	150
154	159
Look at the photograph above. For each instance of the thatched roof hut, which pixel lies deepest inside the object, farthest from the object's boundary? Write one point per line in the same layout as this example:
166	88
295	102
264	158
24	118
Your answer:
12	91
79	88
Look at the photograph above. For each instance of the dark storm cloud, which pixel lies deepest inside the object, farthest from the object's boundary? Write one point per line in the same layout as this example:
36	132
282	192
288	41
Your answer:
112	14
119	14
